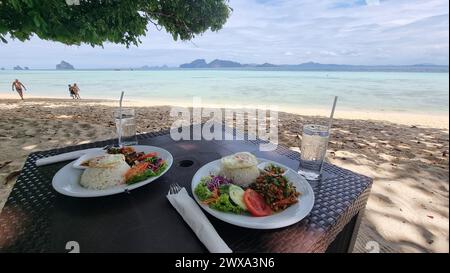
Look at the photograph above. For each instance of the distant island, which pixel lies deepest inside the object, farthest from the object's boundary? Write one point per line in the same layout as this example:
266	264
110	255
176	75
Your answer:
233	65
201	63
312	66
64	66
18	67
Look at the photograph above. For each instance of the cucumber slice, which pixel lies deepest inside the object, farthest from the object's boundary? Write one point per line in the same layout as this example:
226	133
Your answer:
237	196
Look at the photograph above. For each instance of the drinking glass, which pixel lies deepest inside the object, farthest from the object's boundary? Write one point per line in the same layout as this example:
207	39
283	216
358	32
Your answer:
126	126
313	150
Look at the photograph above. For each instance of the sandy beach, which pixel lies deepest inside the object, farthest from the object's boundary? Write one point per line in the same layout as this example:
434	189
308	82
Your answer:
429	120
407	157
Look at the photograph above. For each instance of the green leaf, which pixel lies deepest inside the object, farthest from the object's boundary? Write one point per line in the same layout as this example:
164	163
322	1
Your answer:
96	22
36	21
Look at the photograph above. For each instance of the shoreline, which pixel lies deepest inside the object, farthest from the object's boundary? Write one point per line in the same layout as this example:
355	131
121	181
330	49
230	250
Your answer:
428	120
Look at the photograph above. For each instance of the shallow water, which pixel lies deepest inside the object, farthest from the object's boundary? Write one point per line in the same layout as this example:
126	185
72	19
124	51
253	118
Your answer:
374	91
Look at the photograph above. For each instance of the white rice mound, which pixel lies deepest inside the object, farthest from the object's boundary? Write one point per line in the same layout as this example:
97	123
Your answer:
101	178
241	168
241	176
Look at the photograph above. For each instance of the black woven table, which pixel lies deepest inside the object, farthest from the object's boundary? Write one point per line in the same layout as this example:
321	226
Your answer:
38	219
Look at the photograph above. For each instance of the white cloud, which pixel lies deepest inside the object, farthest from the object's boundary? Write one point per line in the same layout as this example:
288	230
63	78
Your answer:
283	31
328	53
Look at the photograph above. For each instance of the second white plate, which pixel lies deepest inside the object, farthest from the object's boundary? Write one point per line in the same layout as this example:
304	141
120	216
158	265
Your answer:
67	180
289	216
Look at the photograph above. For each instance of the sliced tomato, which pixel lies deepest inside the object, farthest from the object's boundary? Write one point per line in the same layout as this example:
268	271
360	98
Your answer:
153	154
255	204
136	170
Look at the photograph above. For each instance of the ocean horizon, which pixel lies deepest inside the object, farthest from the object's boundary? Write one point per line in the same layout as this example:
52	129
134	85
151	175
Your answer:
406	92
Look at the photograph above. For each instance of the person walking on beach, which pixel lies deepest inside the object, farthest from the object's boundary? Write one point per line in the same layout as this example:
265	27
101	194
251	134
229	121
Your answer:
76	90
18	86
71	91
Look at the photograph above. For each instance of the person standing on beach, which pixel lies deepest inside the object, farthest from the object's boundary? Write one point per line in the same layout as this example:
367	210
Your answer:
76	90
18	86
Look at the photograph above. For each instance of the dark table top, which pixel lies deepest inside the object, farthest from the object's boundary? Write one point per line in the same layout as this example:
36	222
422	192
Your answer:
38	219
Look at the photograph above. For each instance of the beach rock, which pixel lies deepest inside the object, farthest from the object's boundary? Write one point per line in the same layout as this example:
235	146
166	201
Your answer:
64	66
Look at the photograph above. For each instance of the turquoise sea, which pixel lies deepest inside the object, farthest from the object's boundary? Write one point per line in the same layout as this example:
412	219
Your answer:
374	91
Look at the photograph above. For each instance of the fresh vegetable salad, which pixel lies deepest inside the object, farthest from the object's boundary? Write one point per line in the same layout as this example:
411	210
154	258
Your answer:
270	193
143	166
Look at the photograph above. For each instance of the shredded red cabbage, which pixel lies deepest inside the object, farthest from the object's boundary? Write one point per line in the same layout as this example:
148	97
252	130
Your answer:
217	181
155	166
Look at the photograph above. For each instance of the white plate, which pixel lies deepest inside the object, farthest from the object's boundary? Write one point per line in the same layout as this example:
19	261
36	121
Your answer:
67	180
289	216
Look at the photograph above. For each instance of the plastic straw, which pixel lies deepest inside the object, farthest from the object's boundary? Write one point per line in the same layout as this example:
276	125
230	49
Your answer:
120	118
330	122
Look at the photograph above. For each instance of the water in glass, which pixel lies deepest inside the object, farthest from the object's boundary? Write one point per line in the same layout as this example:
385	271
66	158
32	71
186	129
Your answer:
126	127
313	149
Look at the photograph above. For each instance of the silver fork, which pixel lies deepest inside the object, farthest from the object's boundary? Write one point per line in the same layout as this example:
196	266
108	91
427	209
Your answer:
174	188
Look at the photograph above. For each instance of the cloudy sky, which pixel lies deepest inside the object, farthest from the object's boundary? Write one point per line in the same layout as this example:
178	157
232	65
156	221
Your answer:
276	31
